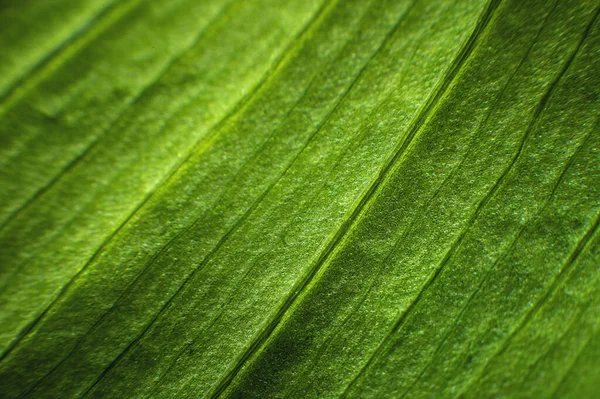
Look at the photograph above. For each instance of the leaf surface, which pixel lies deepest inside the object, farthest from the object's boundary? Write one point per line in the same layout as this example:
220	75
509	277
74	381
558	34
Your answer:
257	198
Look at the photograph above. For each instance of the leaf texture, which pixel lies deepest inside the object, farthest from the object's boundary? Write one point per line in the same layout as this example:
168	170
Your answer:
304	199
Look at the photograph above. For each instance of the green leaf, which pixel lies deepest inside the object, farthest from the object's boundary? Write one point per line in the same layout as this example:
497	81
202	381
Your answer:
302	198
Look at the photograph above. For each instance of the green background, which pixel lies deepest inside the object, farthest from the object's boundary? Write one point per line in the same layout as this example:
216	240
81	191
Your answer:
301	198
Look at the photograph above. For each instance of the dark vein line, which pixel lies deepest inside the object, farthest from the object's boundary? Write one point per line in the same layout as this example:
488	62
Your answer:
261	340
168	303
573	323
552	195
556	283
586	238
210	326
45	60
522	62
510	247
432	101
143	272
271	72
331	337
372	284
522	229
515	240
461	163
318	129
186	281
142	94
464	54
397	242
168	176
480	286
506	252
96	324
187	229
572	366
165	178
538	112
258	201
211	134
255	204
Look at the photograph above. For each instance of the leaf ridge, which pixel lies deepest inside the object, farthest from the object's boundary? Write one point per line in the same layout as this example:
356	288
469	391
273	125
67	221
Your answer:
63	51
588	234
502	257
538	111
254	205
572	366
556	283
139	96
522	62
573	323
127	219
167	177
430	106
415	126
